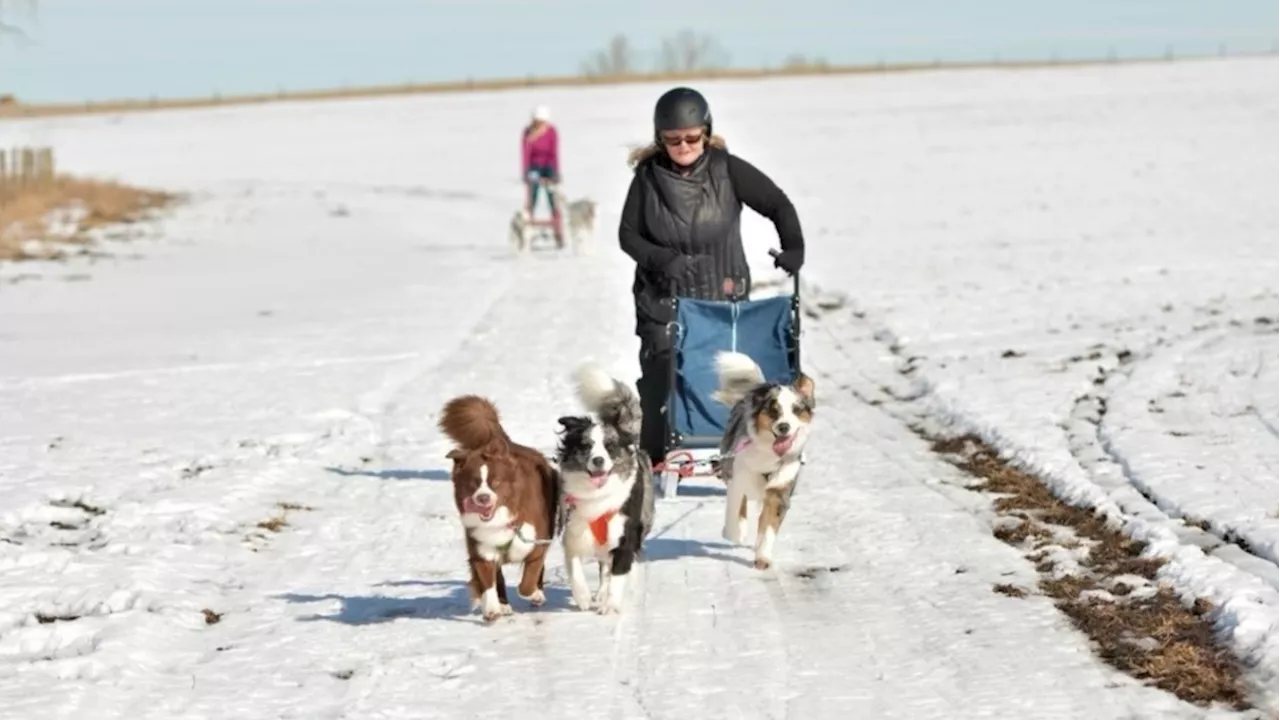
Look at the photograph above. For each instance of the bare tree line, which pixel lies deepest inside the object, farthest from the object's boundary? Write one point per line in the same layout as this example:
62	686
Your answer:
686	51
11	30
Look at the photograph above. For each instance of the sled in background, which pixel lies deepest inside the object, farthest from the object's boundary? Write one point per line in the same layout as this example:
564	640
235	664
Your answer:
528	231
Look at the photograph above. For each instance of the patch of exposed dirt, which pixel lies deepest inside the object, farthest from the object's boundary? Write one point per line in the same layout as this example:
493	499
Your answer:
1100	579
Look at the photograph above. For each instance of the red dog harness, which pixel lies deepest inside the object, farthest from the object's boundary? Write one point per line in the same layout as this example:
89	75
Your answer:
599	525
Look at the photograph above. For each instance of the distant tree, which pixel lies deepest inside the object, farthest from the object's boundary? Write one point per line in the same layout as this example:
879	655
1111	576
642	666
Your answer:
688	52
9	29
797	61
618	58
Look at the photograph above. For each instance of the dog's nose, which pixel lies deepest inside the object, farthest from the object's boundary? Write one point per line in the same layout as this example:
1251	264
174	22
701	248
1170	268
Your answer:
782	428
484	499
597	462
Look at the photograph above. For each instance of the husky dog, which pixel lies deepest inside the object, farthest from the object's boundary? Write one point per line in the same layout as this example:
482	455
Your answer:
581	215
608	488
761	447
582	222
519	230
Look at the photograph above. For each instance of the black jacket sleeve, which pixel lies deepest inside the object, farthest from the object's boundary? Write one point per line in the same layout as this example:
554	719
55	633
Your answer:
646	254
758	192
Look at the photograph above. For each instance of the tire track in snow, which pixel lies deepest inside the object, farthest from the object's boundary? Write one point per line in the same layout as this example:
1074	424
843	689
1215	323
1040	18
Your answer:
880	556
1099	444
1215	580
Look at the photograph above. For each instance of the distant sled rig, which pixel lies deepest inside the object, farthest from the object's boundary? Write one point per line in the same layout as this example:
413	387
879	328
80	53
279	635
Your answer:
528	232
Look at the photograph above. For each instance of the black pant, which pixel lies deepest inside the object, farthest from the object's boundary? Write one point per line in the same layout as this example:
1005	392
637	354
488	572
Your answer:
653	387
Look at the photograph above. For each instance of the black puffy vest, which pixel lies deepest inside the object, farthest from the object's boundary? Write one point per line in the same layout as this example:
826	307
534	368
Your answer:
697	215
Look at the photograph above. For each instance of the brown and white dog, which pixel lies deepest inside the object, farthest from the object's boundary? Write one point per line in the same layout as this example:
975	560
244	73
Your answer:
760	451
508	496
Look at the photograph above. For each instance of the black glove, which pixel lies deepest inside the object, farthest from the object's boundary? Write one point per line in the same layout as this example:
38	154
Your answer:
789	260
681	267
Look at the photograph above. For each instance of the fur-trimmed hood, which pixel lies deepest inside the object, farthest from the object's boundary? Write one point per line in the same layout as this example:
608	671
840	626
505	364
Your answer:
644	152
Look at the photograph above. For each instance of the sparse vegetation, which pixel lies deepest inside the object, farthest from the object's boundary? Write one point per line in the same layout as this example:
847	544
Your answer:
10	30
683	52
617	59
1010	590
274	524
1101	579
688	51
38	220
797	61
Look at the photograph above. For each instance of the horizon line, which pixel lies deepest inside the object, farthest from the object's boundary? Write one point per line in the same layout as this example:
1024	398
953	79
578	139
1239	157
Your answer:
12	108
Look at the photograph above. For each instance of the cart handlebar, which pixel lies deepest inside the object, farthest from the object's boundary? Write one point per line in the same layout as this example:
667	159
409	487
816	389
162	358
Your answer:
774	252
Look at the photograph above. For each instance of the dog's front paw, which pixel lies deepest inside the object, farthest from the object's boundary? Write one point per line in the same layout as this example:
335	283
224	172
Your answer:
492	607
610	606
763	562
537	599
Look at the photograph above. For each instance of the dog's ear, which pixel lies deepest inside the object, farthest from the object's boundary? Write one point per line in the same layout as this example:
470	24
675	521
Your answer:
804	386
456	455
574	422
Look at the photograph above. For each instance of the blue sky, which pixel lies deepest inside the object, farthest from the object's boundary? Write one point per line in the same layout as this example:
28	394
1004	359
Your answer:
101	49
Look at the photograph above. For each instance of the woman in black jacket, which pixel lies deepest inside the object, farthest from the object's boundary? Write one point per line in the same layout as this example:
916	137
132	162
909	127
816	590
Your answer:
681	223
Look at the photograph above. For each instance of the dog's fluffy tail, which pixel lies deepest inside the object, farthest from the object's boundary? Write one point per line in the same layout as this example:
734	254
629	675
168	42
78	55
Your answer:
472	422
738	374
613	400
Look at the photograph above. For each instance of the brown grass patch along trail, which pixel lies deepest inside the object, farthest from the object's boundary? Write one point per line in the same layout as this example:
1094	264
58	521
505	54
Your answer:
37	221
1099	578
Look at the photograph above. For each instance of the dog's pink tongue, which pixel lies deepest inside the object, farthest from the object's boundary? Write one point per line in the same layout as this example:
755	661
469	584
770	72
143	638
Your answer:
783	444
598	478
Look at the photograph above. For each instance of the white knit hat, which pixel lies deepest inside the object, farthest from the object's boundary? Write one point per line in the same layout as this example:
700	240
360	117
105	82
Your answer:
541	113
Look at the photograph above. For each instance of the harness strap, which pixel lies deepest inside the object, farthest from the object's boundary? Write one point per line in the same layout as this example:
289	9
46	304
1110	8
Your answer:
599	525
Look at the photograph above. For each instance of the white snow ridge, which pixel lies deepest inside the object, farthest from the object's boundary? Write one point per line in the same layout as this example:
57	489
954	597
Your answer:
224	495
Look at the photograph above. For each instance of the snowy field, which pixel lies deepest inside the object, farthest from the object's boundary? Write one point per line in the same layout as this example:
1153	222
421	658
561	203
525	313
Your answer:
222	494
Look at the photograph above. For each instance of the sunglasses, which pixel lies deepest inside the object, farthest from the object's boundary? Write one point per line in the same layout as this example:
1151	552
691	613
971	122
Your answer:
679	140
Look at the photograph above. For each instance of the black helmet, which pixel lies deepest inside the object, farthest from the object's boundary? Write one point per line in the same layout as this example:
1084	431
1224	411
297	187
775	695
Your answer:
679	109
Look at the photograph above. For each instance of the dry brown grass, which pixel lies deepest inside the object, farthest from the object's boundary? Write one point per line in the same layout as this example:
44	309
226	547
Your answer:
1151	635
26	212
1009	590
275	524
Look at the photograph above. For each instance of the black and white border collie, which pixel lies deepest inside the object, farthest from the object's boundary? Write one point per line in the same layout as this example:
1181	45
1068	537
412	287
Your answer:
608	488
760	451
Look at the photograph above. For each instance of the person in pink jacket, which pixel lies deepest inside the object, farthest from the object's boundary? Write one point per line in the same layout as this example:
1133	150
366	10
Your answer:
541	161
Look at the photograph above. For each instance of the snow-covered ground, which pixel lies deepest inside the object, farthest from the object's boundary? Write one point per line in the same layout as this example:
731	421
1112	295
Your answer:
341	270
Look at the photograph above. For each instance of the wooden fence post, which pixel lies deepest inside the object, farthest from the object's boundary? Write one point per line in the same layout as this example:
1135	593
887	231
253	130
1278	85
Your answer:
22	167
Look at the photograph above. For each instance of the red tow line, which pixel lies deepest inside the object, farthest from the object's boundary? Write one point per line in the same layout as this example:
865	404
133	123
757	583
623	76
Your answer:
684	469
